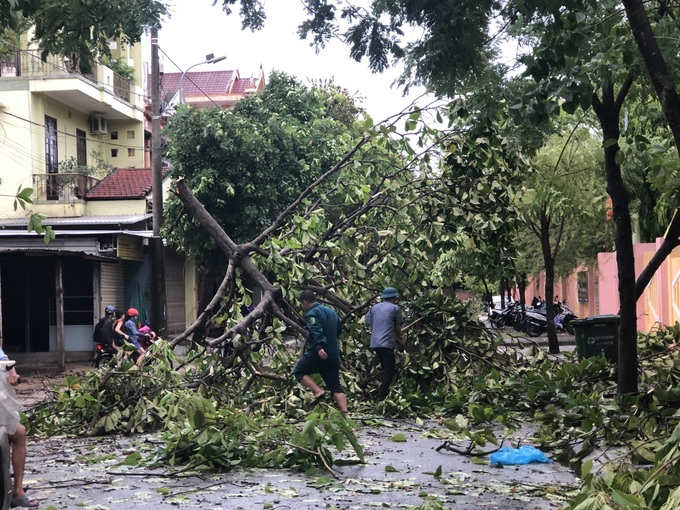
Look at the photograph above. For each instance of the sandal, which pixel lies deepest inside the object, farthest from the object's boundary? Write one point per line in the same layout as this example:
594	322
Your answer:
318	399
23	501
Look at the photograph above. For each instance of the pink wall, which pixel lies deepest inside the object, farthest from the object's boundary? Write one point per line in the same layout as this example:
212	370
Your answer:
567	288
608	283
603	288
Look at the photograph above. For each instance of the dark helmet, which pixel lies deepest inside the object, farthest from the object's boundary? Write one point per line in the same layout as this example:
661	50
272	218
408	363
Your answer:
390	292
132	312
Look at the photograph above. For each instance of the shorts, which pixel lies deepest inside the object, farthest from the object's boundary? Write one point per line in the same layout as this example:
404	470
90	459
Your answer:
328	369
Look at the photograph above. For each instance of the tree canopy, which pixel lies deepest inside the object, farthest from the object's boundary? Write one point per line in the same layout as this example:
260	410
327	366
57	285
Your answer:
83	29
247	165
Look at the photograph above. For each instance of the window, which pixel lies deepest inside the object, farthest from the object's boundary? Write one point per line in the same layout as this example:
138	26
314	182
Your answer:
114	153
114	135
130	135
51	155
51	158
81	147
131	152
582	286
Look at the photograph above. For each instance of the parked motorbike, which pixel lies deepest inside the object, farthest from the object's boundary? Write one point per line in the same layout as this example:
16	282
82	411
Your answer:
539	323
535	324
565	317
505	317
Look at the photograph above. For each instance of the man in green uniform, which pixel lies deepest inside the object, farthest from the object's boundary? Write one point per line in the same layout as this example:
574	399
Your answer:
322	355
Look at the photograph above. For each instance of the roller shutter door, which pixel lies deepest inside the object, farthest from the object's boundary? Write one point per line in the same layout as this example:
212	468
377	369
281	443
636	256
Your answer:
174	292
112	285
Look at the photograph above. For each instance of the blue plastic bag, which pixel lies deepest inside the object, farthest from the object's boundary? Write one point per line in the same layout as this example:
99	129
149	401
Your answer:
508	456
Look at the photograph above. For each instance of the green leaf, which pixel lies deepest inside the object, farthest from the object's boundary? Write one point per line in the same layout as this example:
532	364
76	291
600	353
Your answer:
626	500
398	438
619	157
585	468
132	459
391	469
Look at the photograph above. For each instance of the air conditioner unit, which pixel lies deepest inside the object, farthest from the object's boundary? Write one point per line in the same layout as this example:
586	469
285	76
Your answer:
97	125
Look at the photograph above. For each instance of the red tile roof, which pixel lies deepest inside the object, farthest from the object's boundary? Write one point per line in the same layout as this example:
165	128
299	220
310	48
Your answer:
211	83
198	83
244	85
122	184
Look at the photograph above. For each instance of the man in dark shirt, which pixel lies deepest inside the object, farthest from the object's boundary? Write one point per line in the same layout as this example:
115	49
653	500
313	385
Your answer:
322	355
103	331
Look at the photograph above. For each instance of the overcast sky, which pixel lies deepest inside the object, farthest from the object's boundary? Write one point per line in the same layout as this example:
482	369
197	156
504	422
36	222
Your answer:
196	29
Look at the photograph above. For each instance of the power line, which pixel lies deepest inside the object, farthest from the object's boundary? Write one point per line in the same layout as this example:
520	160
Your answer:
94	140
189	78
35	158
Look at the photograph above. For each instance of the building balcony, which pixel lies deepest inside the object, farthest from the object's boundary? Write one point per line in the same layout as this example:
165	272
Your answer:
60	79
64	188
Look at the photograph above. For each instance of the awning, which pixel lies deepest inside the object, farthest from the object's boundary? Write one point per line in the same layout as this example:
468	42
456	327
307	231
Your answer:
122	219
91	243
33	252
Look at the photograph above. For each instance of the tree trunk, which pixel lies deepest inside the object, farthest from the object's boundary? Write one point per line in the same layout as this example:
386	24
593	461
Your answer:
208	291
663	82
608	110
272	298
522	287
549	262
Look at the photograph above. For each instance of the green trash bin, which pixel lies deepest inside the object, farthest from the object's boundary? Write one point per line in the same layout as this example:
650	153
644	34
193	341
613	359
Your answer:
597	335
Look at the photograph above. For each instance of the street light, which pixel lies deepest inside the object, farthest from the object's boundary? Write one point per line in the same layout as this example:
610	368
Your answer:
209	59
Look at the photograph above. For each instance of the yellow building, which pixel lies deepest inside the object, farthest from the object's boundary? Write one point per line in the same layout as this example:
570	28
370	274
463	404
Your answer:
67	135
82	143
56	122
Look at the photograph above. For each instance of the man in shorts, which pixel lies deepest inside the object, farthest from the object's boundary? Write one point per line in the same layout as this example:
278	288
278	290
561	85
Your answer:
322	354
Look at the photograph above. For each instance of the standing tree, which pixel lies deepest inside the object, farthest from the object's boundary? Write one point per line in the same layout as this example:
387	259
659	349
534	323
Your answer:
561	193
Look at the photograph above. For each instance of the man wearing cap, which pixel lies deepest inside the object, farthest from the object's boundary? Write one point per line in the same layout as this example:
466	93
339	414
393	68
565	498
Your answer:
385	320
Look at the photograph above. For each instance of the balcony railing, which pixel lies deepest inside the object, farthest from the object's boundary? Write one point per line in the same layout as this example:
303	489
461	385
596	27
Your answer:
28	63
121	87
62	187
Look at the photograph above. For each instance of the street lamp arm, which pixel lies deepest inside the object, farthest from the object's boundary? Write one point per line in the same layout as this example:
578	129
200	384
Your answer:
181	78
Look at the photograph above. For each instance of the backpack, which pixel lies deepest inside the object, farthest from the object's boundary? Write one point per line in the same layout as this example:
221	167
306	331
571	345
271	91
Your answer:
102	330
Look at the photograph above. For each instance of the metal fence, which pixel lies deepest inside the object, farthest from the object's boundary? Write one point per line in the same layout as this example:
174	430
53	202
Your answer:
62	187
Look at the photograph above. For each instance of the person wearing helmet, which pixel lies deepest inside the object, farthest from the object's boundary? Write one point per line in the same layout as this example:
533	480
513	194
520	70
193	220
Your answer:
385	320
132	331
103	331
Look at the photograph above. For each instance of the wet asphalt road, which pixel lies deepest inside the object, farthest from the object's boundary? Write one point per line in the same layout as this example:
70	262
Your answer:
87	474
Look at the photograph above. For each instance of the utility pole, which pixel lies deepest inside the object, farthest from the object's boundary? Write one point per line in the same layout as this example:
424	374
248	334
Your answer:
158	271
